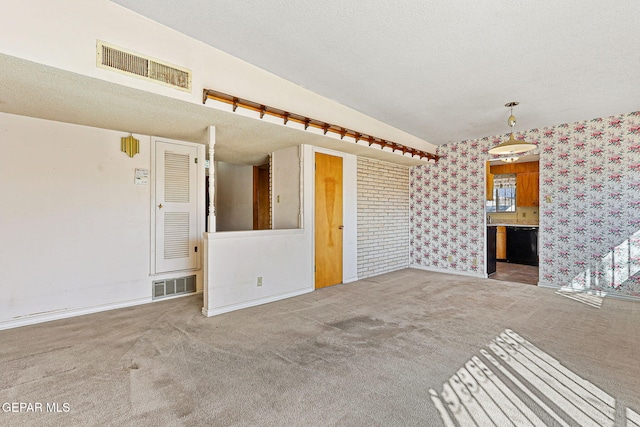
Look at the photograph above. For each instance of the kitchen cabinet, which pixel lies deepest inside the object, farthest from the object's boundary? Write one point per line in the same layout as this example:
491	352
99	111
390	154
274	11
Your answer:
501	243
528	189
507	168
489	180
527	181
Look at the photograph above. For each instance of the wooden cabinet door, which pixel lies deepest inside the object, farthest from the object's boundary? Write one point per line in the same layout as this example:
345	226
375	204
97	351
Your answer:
501	243
527	189
489	178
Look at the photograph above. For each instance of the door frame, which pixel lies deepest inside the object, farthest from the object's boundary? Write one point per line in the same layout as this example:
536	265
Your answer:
485	232
349	214
200	203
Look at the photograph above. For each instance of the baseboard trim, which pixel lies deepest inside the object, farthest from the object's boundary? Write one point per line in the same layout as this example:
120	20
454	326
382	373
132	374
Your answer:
33	319
350	280
446	271
548	285
253	303
606	294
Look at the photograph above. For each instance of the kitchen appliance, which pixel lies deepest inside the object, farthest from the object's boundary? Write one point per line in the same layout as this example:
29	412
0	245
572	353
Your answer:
522	245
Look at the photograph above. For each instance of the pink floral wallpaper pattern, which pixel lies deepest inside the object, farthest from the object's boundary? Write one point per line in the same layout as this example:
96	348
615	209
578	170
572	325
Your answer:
589	213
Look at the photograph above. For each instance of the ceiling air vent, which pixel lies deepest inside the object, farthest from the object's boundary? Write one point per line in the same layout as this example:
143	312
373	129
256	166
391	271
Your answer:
121	60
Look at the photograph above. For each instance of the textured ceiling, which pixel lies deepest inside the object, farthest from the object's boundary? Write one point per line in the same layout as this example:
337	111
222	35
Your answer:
36	90
440	70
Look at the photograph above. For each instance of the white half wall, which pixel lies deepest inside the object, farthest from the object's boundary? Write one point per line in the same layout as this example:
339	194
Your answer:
236	261
284	259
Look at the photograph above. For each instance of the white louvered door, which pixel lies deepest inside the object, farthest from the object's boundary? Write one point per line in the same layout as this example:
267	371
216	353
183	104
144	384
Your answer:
176	207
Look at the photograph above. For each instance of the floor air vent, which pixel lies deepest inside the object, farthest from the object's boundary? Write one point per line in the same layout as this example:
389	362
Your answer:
171	287
130	63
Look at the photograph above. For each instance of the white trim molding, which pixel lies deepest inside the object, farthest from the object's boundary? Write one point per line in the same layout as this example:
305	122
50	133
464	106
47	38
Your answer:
33	319
446	271
253	303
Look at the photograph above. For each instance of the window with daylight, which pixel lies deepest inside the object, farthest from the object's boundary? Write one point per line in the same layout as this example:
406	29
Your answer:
504	194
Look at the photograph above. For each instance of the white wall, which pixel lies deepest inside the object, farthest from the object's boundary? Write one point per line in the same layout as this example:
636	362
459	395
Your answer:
283	258
63	34
285	178
74	228
234	197
237	259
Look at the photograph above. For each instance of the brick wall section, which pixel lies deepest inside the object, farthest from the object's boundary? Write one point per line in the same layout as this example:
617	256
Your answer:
383	217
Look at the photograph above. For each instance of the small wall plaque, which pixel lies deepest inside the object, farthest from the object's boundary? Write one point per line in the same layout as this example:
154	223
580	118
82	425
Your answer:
142	177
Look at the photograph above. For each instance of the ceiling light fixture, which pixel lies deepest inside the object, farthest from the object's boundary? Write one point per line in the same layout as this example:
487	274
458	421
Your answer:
512	146
510	159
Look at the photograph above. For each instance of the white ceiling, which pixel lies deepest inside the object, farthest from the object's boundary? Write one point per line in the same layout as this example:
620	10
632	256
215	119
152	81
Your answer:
36	90
441	70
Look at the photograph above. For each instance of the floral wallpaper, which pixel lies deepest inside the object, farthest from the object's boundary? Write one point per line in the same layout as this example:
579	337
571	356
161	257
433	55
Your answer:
589	205
446	211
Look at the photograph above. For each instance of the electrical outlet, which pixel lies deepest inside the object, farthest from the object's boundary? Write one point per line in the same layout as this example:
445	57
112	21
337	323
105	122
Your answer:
259	280
475	261
450	258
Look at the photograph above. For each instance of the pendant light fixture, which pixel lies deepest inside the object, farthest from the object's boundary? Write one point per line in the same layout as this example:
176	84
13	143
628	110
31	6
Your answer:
512	146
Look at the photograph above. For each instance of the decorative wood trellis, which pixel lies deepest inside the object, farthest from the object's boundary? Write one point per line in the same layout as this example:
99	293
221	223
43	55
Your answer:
308	122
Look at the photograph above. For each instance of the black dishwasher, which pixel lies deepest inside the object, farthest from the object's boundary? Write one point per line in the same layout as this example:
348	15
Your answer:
522	245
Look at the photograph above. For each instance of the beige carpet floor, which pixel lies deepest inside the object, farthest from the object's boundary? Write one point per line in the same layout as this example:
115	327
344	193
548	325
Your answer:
408	348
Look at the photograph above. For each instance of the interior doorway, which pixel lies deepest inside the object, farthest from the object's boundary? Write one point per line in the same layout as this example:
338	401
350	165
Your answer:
261	198
328	220
512	211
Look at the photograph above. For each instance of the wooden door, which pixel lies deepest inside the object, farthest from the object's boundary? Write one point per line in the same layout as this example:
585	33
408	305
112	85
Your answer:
261	203
328	220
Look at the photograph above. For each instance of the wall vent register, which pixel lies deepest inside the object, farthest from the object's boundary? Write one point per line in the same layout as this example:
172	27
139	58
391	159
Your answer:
171	287
130	63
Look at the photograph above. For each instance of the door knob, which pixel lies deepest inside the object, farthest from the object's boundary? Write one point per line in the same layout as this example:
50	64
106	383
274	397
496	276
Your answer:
160	206
341	227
